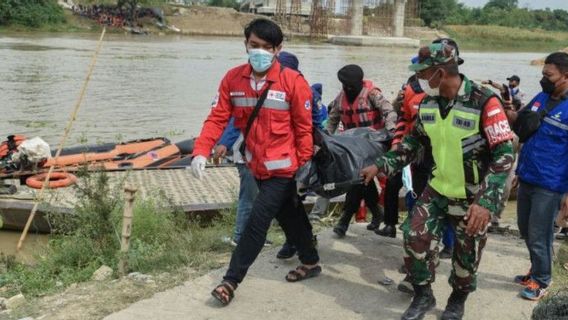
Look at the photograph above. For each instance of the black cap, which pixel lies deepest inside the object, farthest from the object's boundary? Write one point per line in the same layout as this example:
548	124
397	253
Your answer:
514	78
350	75
450	42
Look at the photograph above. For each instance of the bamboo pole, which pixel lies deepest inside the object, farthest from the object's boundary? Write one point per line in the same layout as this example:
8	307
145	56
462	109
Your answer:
129	193
72	118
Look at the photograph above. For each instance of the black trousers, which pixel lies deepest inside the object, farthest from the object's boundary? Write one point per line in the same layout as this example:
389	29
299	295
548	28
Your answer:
419	181
353	199
277	198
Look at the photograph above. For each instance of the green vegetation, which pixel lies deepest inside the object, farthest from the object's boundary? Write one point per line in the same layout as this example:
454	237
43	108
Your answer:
163	239
224	3
559	272
30	13
438	13
499	38
555	304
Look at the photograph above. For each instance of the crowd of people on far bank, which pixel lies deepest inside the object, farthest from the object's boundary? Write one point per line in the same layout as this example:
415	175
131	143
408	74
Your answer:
458	140
114	16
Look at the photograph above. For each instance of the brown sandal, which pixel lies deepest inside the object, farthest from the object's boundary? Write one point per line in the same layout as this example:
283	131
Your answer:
224	292
306	273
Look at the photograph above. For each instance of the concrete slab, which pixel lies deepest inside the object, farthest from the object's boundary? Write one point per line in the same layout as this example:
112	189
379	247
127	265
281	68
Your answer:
369	41
347	288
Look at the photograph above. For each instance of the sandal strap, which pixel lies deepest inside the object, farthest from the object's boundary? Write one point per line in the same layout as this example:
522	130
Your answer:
226	286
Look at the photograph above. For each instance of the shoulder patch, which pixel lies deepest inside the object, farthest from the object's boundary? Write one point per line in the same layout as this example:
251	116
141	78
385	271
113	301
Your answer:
215	100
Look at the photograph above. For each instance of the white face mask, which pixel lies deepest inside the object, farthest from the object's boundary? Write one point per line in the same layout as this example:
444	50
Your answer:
425	85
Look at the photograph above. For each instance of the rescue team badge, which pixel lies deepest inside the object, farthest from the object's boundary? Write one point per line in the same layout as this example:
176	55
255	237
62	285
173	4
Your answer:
496	126
276	95
308	105
498	132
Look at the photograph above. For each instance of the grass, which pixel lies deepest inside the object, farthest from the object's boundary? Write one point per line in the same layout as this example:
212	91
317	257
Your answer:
560	275
163	240
555	304
496	38
73	24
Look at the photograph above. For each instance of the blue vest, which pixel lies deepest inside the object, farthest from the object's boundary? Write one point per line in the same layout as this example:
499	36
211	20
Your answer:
319	110
544	157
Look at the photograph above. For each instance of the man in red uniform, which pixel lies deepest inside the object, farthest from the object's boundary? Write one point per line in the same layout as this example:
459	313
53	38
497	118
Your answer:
278	142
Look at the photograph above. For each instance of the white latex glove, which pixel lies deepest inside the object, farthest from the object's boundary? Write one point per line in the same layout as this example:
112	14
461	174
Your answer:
198	166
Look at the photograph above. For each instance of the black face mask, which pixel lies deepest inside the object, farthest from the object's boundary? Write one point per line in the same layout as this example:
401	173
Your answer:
352	92
547	85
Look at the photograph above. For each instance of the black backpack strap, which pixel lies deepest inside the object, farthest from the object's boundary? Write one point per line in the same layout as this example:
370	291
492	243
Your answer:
549	107
252	117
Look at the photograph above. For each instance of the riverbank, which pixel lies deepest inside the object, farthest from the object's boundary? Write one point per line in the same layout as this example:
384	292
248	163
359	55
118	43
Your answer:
216	21
496	38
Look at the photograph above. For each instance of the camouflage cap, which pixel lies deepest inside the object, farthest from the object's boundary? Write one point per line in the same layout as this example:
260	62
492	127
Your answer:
433	55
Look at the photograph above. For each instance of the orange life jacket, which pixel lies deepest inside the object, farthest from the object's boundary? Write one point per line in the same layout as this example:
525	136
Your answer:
10	145
360	113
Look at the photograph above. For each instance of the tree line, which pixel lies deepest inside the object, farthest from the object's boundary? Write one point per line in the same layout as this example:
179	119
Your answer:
436	13
30	13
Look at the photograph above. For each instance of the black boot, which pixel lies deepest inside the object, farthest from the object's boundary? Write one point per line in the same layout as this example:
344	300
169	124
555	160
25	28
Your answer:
422	302
341	227
446	253
387	231
287	251
456	306
377	218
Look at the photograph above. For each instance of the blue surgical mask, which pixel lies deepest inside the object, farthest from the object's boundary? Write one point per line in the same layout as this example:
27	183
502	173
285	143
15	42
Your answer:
260	59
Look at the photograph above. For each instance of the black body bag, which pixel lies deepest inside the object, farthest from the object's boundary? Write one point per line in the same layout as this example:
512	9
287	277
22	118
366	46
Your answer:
336	166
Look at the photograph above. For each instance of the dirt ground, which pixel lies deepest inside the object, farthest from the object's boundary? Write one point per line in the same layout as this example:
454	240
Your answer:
348	288
200	20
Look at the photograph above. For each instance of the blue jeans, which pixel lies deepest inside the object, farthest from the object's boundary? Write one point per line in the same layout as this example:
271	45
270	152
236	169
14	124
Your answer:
248	191
536	210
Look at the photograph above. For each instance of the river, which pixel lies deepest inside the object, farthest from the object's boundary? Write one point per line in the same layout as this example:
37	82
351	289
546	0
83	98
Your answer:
163	86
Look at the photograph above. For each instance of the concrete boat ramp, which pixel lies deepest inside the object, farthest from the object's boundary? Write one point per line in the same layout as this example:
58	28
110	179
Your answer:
348	288
217	190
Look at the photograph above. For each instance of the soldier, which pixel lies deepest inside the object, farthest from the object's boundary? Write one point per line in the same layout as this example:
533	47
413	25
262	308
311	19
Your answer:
471	145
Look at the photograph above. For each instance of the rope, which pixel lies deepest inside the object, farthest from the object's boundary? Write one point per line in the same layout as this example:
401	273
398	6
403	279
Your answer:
39	197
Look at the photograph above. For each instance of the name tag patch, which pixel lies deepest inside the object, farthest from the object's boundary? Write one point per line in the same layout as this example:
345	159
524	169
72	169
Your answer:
428	117
276	95
463	123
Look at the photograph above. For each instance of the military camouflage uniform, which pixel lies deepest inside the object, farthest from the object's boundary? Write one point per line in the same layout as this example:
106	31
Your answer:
491	153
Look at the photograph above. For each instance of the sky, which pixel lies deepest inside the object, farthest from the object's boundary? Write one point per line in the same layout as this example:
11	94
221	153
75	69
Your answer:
538	4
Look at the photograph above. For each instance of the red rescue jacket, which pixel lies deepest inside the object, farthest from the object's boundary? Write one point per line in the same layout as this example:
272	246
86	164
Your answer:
280	139
408	111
